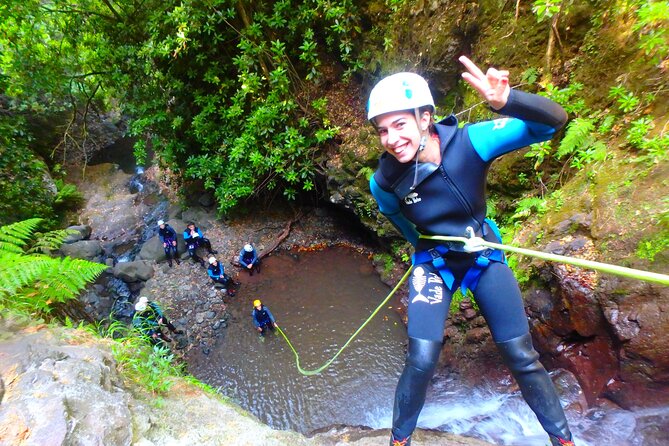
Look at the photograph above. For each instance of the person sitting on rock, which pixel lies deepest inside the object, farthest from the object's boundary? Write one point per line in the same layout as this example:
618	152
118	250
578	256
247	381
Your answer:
194	239
263	319
249	259
149	320
217	273
168	236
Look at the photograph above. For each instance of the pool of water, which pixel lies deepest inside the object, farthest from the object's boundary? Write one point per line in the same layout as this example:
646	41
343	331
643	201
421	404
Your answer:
319	299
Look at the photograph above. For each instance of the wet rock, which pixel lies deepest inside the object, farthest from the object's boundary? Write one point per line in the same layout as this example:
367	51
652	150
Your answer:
153	249
577	222
206	200
216	325
83	249
140	270
210	314
48	396
82	233
202	218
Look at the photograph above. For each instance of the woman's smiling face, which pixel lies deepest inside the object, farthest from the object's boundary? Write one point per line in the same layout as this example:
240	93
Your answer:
399	134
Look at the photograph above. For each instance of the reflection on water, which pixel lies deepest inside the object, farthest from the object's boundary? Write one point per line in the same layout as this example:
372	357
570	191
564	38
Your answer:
319	300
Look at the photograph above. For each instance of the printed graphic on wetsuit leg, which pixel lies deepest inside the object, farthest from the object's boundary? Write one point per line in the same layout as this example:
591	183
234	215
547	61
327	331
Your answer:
433	294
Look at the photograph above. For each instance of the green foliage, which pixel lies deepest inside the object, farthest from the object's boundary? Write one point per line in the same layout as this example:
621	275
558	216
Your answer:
24	191
221	92
545	9
32	283
153	368
651	26
457	299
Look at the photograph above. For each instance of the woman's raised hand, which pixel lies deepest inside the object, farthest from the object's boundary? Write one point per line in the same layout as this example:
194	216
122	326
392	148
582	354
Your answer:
493	86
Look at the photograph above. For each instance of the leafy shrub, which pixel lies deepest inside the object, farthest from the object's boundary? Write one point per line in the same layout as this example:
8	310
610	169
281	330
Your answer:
32	283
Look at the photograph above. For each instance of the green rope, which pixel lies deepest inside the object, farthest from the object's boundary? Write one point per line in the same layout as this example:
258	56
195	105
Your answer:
331	360
598	266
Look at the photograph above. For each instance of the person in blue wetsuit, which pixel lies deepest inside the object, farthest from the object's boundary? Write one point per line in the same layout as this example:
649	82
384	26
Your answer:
194	239
431	181
263	319
217	273
168	237
248	258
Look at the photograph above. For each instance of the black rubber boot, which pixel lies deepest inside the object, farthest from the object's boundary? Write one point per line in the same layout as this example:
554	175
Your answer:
535	385
419	366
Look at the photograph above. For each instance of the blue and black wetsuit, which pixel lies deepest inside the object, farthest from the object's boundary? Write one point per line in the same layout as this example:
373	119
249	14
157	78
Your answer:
148	323
195	240
247	258
217	274
263	319
447	199
168	237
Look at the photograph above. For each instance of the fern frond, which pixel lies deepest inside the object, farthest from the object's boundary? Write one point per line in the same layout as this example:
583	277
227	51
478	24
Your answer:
50	241
67	279
14	237
18	271
579	135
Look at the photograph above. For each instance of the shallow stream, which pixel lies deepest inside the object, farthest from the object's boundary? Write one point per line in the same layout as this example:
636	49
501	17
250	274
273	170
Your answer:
319	299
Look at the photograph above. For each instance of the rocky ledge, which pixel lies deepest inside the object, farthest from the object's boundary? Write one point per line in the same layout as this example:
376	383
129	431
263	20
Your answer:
61	386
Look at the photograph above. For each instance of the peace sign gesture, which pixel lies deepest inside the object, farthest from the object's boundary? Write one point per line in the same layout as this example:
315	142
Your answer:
493	86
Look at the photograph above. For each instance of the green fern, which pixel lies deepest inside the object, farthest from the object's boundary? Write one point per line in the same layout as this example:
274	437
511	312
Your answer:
32	283
14	237
577	137
50	241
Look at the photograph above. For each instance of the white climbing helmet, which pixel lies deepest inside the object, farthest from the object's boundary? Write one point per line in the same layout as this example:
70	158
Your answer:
212	260
161	222
248	248
142	303
399	91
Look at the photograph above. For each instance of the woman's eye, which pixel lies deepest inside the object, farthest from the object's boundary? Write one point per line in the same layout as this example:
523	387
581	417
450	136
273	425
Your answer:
382	132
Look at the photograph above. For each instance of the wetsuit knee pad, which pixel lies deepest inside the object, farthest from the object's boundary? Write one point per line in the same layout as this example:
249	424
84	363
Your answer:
519	354
423	354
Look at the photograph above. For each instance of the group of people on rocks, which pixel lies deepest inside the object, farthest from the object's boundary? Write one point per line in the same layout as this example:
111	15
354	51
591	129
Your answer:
149	318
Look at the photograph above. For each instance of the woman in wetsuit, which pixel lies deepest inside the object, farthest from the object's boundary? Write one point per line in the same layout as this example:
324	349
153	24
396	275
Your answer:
431	181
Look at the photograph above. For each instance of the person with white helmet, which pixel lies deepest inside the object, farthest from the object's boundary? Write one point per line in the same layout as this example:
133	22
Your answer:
217	273
431	181
168	237
248	258
149	319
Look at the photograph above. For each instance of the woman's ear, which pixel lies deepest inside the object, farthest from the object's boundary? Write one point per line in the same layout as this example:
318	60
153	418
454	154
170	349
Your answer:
425	120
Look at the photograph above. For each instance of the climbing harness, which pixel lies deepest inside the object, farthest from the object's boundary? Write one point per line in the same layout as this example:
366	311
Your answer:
478	244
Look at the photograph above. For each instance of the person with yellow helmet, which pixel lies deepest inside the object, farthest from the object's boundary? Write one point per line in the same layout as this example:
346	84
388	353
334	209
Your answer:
431	181
263	319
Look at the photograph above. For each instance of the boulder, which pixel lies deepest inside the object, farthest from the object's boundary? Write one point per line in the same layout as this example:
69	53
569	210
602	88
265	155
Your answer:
136	271
57	387
82	233
153	249
83	249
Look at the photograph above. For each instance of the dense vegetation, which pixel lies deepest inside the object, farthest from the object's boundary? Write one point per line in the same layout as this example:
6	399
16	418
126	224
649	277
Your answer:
230	95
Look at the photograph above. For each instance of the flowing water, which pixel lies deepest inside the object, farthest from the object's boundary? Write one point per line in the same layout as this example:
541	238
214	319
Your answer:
319	299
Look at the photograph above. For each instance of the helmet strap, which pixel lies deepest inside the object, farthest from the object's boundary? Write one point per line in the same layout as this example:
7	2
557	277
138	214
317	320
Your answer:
421	147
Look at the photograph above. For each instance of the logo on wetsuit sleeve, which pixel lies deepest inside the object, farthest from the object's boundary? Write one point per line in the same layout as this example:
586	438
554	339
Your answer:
499	123
435	293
